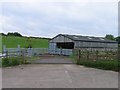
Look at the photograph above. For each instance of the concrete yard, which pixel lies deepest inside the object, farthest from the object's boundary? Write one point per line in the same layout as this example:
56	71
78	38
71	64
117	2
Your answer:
57	76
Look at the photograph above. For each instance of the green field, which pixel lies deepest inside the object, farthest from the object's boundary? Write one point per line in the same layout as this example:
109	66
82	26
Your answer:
13	41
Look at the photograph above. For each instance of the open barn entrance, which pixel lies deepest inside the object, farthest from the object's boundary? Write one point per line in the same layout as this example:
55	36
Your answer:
65	45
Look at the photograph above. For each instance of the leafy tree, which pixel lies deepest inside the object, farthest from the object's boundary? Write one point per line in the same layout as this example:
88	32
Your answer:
14	34
110	37
10	34
3	34
17	34
118	39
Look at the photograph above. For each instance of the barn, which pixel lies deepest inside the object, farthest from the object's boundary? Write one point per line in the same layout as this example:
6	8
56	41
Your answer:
64	43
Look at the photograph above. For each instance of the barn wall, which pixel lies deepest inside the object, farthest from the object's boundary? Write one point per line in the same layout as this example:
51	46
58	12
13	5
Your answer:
52	45
61	38
95	44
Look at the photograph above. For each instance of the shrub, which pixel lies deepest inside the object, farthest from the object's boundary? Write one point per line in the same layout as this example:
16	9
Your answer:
5	62
12	61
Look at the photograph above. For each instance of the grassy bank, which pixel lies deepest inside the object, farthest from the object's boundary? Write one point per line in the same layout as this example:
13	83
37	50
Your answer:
13	41
105	65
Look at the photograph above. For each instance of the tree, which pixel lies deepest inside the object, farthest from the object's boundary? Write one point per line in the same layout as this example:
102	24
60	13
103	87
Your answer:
10	34
118	39
110	37
3	34
14	34
17	34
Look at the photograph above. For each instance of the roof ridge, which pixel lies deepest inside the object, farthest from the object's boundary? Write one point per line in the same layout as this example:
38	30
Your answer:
87	38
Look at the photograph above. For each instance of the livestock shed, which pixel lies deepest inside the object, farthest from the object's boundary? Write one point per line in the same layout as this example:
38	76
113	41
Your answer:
64	43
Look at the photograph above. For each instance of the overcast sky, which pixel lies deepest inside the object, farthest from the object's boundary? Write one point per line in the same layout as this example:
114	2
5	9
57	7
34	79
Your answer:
47	19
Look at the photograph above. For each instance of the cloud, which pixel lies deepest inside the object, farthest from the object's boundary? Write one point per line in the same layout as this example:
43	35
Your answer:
59	0
50	18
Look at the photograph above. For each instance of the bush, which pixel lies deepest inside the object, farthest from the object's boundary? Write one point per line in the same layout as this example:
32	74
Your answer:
12	61
5	62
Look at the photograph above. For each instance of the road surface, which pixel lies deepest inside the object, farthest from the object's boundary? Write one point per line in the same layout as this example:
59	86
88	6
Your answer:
57	76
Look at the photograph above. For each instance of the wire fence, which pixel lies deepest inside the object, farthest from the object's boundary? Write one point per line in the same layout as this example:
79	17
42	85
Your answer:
95	55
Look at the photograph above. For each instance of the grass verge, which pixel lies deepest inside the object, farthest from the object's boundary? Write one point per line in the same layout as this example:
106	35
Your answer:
113	65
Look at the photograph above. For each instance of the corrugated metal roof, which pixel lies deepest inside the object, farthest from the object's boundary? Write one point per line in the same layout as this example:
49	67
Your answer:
87	38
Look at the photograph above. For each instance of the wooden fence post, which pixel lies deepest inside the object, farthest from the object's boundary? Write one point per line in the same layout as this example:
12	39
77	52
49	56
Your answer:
23	56
87	55
7	54
96	55
79	56
106	56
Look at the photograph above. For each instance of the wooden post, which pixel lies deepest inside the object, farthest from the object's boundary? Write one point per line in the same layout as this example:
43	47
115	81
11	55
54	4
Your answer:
96	55
79	56
7	54
4	49
18	50
23	56
106	55
87	55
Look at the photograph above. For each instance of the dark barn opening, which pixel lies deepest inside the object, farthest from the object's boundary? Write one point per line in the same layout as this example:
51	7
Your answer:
65	45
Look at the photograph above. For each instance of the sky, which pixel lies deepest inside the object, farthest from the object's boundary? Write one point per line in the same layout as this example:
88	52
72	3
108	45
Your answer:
49	18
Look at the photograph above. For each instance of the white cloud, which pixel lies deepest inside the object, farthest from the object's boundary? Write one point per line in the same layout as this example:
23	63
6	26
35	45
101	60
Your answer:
50	18
59	1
